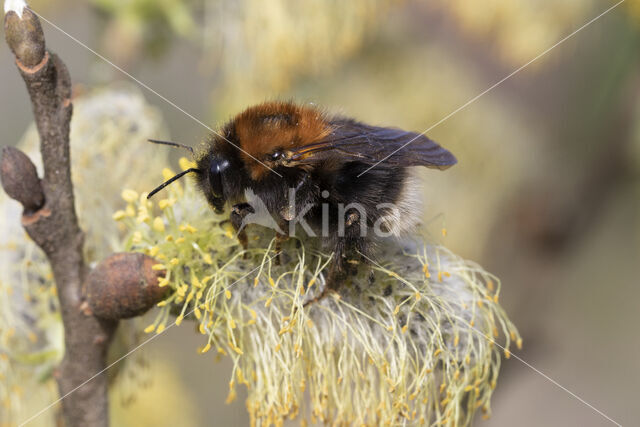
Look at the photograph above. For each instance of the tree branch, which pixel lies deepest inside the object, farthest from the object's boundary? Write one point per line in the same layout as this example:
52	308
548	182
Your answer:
54	227
50	219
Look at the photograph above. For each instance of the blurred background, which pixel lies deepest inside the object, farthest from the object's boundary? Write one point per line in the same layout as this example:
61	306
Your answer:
545	194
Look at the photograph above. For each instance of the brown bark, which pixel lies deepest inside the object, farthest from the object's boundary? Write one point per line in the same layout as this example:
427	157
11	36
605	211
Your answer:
50	219
54	227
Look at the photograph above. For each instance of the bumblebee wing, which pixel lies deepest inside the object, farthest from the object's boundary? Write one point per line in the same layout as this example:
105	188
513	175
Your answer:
371	144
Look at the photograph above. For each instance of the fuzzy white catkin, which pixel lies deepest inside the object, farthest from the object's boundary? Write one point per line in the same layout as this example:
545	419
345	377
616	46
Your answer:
418	343
108	136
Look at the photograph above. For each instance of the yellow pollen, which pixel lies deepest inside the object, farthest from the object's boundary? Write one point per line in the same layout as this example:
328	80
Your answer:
186	163
129	196
167	173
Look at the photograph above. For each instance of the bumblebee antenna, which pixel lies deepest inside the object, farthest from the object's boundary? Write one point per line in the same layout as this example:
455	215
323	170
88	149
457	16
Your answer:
172	144
170	180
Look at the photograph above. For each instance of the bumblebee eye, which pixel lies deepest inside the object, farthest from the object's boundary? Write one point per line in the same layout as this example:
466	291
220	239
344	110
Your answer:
215	176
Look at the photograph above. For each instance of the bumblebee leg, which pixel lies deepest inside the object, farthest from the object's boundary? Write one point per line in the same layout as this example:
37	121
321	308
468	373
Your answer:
337	274
237	216
353	243
280	238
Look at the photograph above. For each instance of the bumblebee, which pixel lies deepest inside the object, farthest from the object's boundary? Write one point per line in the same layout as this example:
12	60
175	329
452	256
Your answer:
328	176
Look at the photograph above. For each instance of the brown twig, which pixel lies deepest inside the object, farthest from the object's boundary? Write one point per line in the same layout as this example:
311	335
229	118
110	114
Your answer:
54	227
50	219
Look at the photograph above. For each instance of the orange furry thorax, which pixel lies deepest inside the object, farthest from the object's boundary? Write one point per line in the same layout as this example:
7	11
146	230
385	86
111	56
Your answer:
265	128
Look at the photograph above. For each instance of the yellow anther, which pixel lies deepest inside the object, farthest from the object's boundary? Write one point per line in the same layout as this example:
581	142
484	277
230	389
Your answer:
186	163
167	173
188	228
129	196
158	224
118	215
